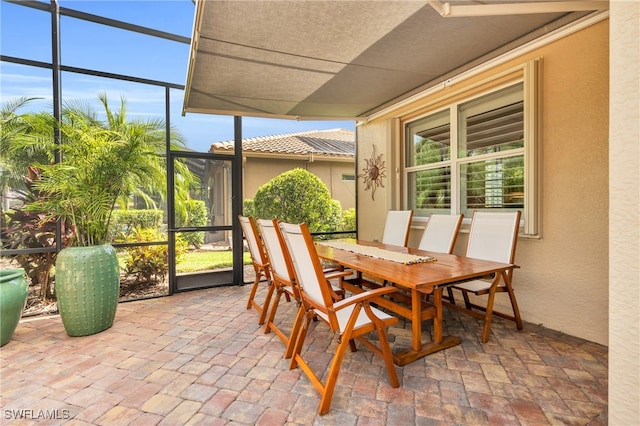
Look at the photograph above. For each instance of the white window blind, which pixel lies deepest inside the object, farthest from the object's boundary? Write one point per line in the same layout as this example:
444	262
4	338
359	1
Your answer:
478	152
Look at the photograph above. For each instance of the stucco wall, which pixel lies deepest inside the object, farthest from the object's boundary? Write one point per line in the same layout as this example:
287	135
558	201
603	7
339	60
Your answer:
258	171
624	274
331	174
372	140
563	280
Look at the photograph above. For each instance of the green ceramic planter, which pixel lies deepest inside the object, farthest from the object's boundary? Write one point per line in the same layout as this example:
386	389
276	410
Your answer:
13	297
87	288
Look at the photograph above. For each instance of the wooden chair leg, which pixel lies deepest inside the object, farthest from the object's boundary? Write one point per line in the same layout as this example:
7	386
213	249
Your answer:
265	306
514	302
254	289
488	313
352	345
307	317
295	332
452	299
388	357
467	303
516	311
273	310
332	378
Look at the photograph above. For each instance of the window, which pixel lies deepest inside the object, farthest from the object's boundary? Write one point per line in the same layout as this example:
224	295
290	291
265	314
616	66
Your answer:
348	178
491	151
474	154
429	164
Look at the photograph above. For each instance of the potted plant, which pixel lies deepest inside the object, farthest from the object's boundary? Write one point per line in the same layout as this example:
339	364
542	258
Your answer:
103	164
13	297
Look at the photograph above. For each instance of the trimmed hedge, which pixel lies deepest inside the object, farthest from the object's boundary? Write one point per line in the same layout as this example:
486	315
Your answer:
124	222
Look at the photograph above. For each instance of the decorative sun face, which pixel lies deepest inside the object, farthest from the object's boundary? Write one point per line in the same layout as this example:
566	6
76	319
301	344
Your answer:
373	173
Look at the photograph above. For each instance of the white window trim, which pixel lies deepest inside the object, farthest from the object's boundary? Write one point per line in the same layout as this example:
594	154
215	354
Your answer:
532	126
529	73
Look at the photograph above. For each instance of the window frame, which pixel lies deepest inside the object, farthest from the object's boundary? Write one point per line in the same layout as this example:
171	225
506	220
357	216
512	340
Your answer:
528	74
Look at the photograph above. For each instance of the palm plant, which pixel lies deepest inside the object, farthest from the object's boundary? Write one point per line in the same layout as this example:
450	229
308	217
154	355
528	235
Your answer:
23	139
103	164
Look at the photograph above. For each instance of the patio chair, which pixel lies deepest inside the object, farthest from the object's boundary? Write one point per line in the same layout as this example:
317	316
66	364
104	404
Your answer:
493	236
349	319
261	266
396	227
282	279
441	233
440	236
396	232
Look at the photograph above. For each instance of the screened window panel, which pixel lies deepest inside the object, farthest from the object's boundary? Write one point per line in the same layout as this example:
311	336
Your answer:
212	187
24	30
109	46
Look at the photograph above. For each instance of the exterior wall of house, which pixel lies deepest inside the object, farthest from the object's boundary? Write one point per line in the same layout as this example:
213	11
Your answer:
331	173
563	280
624	228
258	171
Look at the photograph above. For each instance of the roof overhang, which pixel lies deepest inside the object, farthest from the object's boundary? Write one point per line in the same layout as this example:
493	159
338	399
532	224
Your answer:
309	157
328	60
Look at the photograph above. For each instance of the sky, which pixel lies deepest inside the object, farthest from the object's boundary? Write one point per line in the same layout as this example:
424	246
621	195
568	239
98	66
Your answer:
25	34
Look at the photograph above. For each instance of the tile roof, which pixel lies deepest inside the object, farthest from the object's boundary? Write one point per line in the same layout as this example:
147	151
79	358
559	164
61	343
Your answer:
333	142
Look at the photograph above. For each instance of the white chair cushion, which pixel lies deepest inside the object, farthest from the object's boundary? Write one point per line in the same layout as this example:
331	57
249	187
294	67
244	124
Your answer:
396	227
343	316
475	285
492	236
440	233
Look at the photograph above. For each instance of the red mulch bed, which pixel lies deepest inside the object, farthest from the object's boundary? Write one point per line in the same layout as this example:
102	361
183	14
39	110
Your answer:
130	289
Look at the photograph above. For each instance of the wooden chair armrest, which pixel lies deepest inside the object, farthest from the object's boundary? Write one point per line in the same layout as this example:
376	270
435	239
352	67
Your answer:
337	274
365	296
337	294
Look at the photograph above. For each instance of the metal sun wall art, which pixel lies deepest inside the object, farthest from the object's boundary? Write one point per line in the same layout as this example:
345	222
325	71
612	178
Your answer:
373	173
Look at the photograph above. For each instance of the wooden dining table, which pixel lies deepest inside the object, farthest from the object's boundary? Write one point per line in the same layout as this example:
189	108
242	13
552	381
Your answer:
416	273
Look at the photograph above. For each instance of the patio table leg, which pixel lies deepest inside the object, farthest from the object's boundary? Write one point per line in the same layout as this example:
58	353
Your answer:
437	320
440	342
416	319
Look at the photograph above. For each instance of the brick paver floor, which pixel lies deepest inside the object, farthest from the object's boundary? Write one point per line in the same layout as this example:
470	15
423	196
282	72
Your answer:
200	358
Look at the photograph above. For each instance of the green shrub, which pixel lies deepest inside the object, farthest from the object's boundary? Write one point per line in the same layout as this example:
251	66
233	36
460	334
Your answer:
150	263
125	222
196	211
299	196
349	220
248	207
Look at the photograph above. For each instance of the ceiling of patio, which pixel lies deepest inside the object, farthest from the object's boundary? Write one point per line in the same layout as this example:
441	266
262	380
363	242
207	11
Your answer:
348	59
